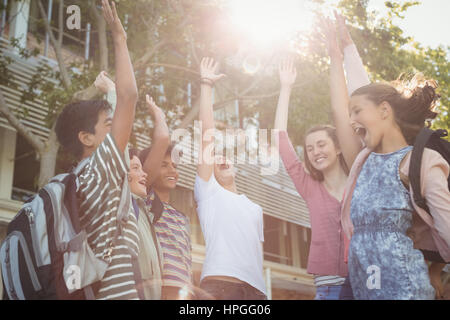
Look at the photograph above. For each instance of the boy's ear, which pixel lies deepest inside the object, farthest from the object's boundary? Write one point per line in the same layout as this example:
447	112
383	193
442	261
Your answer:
86	139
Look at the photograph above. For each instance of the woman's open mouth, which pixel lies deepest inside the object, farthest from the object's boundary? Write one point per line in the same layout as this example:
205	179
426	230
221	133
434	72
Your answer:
360	132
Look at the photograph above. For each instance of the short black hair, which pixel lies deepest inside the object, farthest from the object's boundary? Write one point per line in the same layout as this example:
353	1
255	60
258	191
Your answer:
76	117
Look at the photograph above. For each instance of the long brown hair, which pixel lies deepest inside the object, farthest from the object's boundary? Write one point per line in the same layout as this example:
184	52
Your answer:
331	131
412	101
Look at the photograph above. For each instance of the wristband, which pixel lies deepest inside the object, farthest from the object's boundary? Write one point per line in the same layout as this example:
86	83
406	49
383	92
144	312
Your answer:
207	81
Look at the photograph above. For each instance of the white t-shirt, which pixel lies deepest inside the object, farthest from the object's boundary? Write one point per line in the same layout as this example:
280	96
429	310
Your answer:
232	226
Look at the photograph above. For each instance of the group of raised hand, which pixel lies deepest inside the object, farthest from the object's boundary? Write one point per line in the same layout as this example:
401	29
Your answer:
209	67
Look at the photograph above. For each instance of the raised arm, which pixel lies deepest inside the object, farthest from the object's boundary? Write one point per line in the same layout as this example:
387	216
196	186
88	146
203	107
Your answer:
126	87
291	162
349	143
208	72
160	142
105	85
356	73
288	74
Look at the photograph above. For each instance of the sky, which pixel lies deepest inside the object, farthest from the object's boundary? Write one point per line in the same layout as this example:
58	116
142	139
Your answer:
266	20
428	23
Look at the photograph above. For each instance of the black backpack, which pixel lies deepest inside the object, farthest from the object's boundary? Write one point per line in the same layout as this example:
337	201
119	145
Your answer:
427	138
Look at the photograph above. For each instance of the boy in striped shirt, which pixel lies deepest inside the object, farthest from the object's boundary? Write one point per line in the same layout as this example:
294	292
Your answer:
173	233
87	130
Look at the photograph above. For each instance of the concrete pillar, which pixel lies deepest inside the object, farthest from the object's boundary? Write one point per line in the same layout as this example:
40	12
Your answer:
295	246
20	11
7	154
283	245
268	276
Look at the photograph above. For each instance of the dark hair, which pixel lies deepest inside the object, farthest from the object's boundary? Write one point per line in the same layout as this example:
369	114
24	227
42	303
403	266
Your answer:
331	131
77	117
144	153
413	102
134	152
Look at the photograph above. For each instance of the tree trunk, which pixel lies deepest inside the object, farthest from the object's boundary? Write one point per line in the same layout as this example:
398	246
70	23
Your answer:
48	160
102	39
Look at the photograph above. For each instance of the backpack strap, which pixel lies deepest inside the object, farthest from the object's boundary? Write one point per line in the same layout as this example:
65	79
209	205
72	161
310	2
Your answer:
415	165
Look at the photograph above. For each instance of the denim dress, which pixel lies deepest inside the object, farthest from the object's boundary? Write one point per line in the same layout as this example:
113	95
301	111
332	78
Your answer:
382	261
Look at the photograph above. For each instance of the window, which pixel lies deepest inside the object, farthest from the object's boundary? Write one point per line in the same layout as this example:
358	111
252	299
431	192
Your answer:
26	170
286	243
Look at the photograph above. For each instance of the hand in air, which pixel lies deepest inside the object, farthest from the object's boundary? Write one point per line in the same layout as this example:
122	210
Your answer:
104	83
112	19
208	70
344	35
153	109
329	31
287	72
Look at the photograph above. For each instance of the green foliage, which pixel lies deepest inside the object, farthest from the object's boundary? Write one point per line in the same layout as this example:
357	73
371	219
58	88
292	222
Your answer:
183	31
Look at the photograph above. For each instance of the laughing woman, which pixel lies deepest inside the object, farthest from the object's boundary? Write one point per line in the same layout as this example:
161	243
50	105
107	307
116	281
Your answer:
378	213
320	180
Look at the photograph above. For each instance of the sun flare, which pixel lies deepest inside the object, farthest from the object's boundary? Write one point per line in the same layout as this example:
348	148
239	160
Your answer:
269	21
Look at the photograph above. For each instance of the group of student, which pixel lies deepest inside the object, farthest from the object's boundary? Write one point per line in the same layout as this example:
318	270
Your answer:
358	218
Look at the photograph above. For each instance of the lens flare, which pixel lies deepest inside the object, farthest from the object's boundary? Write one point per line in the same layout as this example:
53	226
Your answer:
269	21
251	64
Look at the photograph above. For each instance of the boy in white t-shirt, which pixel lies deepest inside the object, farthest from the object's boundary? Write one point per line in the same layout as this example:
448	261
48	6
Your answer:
232	225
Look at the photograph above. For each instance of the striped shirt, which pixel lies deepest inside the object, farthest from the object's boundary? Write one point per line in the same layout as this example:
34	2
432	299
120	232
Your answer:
99	192
173	233
328	281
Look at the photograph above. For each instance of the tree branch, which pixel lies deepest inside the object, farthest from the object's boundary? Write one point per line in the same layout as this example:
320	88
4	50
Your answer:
62	68
141	62
60	23
195	106
32	139
102	39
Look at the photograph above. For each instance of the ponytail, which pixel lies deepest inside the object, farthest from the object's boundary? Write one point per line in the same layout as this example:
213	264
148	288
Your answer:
412	101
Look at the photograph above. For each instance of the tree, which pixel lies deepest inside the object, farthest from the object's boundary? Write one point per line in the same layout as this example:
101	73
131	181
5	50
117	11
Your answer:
167	40
57	86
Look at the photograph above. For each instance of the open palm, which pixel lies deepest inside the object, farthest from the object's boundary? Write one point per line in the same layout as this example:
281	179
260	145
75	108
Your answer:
112	19
287	72
153	109
208	70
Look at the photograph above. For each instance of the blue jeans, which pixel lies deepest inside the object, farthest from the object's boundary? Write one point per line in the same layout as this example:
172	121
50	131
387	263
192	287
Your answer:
346	291
328	292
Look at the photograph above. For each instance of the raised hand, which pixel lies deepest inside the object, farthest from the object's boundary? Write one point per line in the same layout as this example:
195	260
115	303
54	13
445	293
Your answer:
104	83
112	19
344	35
287	72
160	141
153	109
329	31
208	70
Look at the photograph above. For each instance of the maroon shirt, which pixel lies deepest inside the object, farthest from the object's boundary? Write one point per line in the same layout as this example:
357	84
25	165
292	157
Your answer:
326	253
